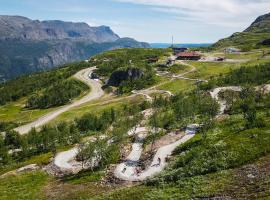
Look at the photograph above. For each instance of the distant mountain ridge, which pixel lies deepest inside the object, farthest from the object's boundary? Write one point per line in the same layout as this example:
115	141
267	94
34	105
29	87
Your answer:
17	27
256	35
31	45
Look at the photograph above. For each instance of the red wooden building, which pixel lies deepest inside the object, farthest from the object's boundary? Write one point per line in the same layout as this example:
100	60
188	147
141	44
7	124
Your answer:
188	56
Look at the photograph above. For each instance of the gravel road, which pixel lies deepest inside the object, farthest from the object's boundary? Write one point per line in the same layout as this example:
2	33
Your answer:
95	93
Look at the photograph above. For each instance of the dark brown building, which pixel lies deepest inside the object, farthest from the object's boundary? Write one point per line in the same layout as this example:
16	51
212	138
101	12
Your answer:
177	50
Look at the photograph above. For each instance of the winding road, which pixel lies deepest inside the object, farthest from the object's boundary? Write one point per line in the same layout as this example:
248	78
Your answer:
215	95
128	170
95	93
66	161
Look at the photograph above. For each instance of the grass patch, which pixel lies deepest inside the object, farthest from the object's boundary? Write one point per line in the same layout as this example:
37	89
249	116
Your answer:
85	177
95	107
41	159
26	186
247	55
225	147
16	112
177	86
225	184
178	68
205	70
133	193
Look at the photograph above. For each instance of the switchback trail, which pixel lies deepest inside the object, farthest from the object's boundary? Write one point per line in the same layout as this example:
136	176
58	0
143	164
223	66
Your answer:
127	170
95	93
215	95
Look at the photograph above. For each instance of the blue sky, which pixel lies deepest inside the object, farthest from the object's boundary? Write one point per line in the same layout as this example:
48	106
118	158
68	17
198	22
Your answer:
190	21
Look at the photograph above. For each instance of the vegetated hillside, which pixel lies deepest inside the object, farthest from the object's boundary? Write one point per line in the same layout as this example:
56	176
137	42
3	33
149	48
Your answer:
30	45
45	89
129	69
251	75
228	159
54	88
254	36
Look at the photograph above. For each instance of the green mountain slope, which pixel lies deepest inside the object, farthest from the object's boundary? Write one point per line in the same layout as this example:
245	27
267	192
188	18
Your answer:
253	37
42	83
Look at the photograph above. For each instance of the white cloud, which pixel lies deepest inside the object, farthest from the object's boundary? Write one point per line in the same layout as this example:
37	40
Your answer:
229	13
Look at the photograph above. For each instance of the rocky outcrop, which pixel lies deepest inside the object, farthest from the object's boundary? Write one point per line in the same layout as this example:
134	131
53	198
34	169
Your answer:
266	42
28	168
119	76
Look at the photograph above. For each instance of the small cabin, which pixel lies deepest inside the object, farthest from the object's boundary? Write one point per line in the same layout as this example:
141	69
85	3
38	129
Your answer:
93	76
232	50
220	59
177	50
151	60
188	56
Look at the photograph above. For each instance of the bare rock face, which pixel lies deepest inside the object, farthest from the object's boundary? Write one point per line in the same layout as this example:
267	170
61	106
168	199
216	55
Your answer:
122	75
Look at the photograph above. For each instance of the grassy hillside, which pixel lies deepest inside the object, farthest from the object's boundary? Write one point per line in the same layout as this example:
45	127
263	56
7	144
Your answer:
253	37
42	82
28	186
228	158
142	61
245	41
110	61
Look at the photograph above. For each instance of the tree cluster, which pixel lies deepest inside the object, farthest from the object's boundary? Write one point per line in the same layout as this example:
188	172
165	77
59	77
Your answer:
27	85
56	95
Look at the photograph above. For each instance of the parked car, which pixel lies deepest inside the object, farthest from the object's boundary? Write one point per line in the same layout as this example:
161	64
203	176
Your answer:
192	128
93	76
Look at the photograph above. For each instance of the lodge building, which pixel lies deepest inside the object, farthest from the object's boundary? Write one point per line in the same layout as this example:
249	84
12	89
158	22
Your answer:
188	56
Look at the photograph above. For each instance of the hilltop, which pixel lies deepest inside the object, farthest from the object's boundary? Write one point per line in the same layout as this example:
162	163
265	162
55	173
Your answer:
255	36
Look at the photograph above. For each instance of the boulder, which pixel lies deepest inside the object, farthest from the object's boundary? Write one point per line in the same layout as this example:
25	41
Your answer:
266	42
119	76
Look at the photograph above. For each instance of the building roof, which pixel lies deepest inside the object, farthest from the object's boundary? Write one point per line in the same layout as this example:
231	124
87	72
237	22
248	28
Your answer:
188	54
180	48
